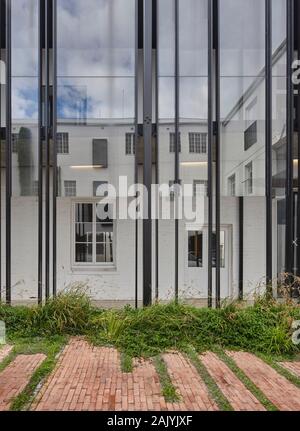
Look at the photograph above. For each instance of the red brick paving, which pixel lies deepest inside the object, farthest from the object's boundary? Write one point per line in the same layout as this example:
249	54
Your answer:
189	385
90	378
276	388
240	398
4	352
293	367
15	377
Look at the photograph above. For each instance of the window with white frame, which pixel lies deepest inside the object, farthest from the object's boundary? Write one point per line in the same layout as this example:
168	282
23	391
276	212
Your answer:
249	178
251	112
231	185
70	188
173	142
198	143
200	187
130	144
94	234
62	142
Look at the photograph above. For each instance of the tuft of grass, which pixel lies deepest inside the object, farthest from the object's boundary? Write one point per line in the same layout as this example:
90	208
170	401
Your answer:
50	347
126	363
213	389
168	389
259	395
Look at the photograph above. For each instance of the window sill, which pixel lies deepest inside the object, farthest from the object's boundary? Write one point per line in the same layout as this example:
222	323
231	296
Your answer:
94	269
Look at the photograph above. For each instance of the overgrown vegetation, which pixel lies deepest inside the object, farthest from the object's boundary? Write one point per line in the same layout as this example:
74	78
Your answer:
265	327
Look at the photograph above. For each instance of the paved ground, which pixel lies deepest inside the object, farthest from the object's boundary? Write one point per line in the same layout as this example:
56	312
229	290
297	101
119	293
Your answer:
90	378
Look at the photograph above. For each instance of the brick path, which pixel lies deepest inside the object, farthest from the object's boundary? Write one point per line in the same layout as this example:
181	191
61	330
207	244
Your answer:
277	389
293	367
15	377
87	377
240	398
4	352
189	385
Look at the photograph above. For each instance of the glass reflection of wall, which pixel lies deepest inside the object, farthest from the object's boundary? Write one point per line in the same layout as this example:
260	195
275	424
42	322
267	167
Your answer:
242	148
279	132
96	131
24	83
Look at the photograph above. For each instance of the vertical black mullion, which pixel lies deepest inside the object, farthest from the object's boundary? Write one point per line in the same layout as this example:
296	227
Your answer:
147	124
40	161
136	142
157	156
176	182
218	136
268	143
298	144
54	137
209	151
290	137
47	161
8	152
241	248
1	161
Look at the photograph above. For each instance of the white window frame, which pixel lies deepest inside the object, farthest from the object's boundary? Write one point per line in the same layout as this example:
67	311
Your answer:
197	141
90	265
63	145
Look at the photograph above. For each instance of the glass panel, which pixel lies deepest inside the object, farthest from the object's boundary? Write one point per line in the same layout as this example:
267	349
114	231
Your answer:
193	112
84	232
242	147
84	253
279	133
25	84
84	212
195	256
166	146
96	111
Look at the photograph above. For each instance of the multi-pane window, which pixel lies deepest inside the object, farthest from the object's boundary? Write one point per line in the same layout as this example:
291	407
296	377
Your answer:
14	142
198	143
173	142
249	178
200	187
129	144
62	142
93	234
231	185
70	188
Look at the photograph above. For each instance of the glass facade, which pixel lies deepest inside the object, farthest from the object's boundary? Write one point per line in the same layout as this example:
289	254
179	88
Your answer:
76	84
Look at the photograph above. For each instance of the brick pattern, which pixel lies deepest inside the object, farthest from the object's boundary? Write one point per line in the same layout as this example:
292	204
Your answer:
293	367
90	378
189	385
240	398
4	352
276	388
15	377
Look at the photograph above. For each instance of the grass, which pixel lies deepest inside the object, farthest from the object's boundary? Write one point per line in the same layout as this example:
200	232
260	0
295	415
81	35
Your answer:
246	381
50	346
126	363
168	389
213	389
